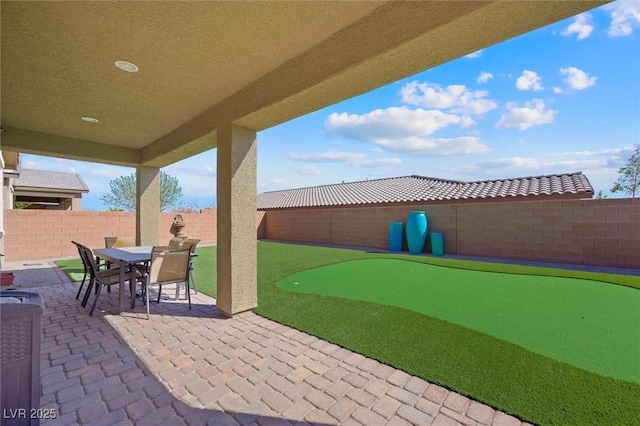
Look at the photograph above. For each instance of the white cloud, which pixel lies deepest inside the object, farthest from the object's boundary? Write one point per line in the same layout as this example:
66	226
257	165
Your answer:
510	163
436	147
455	98
484	77
540	166
557	90
191	170
355	159
387	123
624	151
625	17
398	130
272	182
467	122
380	162
577	79
582	26
308	170
475	54
529	80
531	114
610	160
327	157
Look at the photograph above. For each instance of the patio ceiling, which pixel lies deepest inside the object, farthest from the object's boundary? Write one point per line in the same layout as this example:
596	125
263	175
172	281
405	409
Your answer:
203	64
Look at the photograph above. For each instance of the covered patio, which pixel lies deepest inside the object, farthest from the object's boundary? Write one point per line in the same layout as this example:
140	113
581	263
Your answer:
198	367
198	76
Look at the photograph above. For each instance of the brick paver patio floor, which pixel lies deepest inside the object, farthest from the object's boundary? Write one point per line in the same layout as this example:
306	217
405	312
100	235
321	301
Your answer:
198	367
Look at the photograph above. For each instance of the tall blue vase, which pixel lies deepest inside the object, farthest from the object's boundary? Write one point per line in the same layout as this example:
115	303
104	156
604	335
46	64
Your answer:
416	231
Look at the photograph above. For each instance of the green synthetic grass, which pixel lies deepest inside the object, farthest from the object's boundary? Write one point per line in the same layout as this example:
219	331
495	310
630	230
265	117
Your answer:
72	267
583	323
506	376
533	387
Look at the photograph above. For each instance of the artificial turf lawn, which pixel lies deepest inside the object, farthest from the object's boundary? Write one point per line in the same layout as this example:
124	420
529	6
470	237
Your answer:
509	377
584	323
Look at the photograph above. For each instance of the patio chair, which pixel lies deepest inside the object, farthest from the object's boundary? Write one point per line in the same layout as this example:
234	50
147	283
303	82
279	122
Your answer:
87	273
115	242
84	265
86	261
106	277
168	266
191	244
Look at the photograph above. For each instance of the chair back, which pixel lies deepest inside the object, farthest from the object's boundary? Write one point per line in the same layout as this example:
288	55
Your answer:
169	265
115	242
184	243
81	254
89	259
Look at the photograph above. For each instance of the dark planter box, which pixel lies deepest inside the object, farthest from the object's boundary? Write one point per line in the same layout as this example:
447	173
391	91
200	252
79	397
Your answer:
6	278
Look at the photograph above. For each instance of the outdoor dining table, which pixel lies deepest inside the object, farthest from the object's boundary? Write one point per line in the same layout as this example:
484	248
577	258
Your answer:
126	257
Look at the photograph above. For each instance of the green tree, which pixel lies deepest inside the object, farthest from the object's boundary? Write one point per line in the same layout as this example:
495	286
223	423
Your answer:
629	176
123	193
600	195
21	205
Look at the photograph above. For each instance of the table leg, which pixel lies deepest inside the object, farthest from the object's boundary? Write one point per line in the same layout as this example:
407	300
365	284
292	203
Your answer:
132	285
121	289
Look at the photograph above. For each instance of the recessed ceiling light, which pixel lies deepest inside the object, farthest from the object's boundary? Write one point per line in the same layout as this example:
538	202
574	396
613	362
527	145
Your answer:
90	119
126	66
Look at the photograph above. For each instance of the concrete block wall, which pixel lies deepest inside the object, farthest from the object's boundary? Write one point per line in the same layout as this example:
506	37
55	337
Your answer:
38	234
47	234
44	234
589	232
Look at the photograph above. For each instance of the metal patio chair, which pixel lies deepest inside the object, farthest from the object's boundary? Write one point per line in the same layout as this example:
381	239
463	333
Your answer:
168	266
191	244
102	278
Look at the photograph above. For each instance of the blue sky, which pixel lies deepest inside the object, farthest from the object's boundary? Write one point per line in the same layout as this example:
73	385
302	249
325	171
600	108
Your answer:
564	98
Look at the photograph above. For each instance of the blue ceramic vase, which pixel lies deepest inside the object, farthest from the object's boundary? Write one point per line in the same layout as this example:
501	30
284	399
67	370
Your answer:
416	231
437	243
395	236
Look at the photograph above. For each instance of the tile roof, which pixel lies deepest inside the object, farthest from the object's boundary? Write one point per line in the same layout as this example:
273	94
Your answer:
420	188
53	180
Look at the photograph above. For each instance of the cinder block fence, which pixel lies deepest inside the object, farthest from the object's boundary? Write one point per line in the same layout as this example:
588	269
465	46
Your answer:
588	232
45	234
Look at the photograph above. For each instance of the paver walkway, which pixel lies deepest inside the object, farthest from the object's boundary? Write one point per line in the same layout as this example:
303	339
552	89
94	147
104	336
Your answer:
198	367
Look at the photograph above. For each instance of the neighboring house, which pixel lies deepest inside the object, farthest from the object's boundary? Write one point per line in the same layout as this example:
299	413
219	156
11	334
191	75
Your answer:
48	190
10	163
426	190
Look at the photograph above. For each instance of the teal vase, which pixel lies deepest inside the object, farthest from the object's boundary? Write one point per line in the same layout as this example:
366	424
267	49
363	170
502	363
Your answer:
395	236
416	231
437	244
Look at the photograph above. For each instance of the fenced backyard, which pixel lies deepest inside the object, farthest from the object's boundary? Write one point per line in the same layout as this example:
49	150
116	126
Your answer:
525	340
583	232
433	351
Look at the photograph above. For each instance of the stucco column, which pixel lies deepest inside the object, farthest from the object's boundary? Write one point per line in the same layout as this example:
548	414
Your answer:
2	196
147	205
236	200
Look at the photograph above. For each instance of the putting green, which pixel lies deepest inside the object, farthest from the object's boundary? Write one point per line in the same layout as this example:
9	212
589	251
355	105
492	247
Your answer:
588	324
